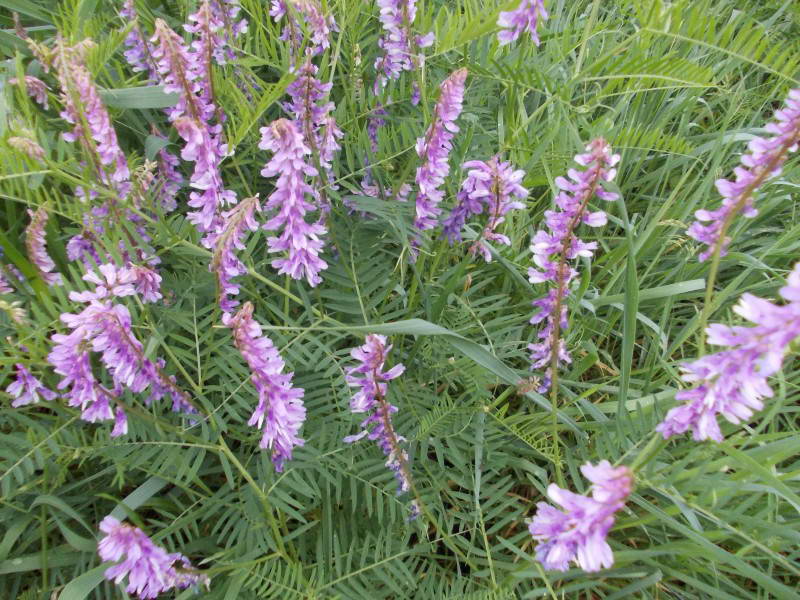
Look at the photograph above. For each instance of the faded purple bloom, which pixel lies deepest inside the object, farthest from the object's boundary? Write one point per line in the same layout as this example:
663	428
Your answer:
733	382
524	18
224	263
26	388
35	87
579	532
319	25
764	161
149	568
434	149
27	146
5	286
207	46
399	44
488	187
374	123
554	248
370	379
37	247
169	177
138	52
280	412
300	239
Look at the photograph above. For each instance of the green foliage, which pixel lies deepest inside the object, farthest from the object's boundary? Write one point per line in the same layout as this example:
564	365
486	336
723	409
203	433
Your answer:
675	87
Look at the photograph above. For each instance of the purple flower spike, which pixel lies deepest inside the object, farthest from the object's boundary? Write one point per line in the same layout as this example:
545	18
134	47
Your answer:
138	53
26	388
400	46
225	264
280	412
554	248
525	17
318	23
300	239
733	382
37	248
149	568
488	186
764	161
370	379
578	533
434	150
36	88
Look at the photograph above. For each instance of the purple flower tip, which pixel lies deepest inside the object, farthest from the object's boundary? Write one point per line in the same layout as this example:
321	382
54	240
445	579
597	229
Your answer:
524	18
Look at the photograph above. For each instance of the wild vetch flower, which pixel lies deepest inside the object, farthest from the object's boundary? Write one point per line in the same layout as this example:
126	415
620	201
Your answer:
280	412
27	146
300	239
488	186
370	379
225	264
149	568
763	162
524	18
175	70
26	388
37	249
434	149
400	46
138	52
733	382
146	282
319	24
207	44
554	248
36	88
579	532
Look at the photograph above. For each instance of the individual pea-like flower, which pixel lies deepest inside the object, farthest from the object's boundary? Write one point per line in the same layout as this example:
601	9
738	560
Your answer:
300	239
764	161
280	412
578	533
526	17
434	149
27	389
319	24
224	263
146	282
371	380
555	247
150	570
733	382
27	145
399	44
37	247
489	187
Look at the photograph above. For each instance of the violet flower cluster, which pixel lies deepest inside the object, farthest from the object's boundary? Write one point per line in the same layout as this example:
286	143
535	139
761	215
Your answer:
150	570
400	46
525	17
578	533
37	247
552	249
370	379
224	263
489	187
434	149
733	382
105	328
26	388
280	412
319	24
764	161
298	238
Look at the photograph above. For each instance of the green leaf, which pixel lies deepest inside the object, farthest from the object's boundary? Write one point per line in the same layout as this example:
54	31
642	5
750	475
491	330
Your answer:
83	585
150	96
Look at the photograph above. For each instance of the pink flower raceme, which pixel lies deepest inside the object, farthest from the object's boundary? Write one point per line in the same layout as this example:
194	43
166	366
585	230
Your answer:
553	249
300	239
37	249
225	264
400	46
26	388
733	382
318	23
763	162
434	149
280	412
370	379
490	187
525	17
579	532
149	568
105	328
36	88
